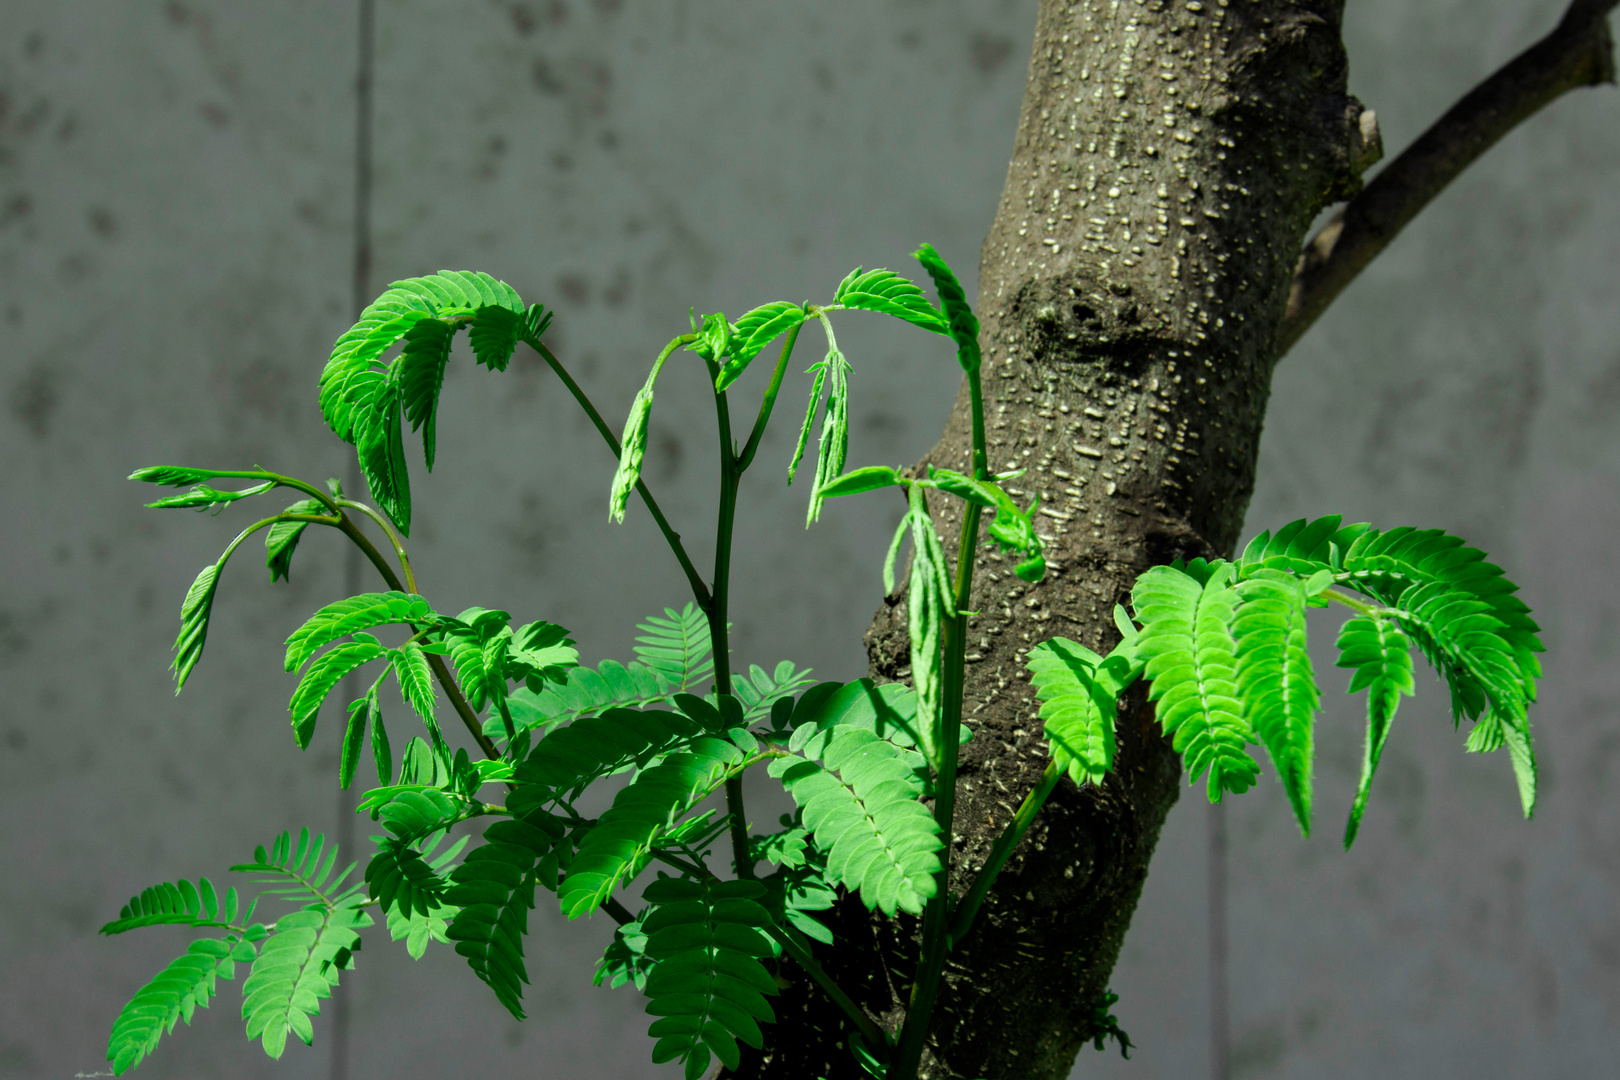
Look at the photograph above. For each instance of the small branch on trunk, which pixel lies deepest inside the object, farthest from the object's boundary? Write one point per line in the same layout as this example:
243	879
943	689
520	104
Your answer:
1578	52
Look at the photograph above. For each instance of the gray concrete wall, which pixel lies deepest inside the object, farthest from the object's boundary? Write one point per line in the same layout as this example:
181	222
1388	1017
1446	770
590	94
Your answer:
176	246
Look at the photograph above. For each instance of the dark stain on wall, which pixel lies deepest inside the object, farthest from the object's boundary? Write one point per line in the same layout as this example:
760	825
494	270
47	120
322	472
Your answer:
988	52
34	400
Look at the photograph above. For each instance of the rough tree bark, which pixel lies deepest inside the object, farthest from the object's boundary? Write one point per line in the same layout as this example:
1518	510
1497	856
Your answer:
1133	289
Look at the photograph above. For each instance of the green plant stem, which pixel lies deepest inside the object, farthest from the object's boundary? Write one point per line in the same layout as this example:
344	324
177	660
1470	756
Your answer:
469	719
746	458
673	538
1001	852
953	647
393	538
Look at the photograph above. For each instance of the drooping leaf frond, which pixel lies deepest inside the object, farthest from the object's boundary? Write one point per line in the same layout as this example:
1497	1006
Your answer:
179	990
833	446
819	370
362	399
344	617
1077	690
859	801
1186	643
583	692
618	847
380	446
1381	657
930	604
707	987
494	890
420	373
1385	564
178	904
887	292
296	968
962	323
298	874
415	682
282	539
633	441
324	674
494	335
678	647
1280	698
194	613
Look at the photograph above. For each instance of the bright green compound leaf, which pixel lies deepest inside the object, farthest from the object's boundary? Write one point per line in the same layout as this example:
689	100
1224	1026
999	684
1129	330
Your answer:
1280	699
324	674
381	753
186	985
707	985
297	967
877	837
870	478
755	330
618	847
379	439
886	292
420	371
1077	703
354	740
494	889
678	646
963	324
344	617
179	904
1381	657
203	497
194	612
1191	658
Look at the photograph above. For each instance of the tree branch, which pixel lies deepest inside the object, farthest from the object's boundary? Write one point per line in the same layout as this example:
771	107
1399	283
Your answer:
1578	52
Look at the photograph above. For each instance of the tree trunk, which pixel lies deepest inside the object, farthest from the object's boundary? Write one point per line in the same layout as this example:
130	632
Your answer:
1169	159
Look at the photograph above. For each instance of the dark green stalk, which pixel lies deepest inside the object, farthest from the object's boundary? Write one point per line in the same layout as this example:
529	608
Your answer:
746	458
393	539
730	478
953	648
1001	852
699	590
617	911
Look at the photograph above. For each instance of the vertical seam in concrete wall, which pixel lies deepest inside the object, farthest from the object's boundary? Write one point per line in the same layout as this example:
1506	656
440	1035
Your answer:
360	293
1220	1033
